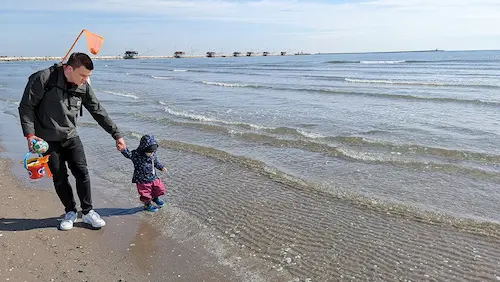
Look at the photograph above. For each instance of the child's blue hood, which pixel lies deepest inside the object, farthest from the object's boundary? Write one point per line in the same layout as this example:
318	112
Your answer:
146	141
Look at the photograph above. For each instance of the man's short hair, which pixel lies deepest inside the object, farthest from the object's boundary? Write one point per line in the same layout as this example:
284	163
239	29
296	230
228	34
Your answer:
77	60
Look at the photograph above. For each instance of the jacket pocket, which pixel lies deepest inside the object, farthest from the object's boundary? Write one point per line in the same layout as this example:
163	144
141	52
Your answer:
75	103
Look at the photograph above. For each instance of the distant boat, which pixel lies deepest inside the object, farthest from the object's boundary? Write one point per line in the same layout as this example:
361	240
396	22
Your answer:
179	54
302	53
130	54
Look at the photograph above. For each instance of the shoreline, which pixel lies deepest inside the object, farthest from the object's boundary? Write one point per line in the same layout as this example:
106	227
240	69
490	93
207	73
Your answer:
57	58
221	55
129	247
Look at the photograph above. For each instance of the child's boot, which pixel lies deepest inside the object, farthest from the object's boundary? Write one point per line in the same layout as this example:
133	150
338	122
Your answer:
159	202
149	207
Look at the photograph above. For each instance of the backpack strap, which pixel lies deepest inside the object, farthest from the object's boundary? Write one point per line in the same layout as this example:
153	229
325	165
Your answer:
87	89
52	82
53	79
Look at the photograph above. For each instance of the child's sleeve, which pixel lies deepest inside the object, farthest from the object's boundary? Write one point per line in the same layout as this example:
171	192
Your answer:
126	153
158	164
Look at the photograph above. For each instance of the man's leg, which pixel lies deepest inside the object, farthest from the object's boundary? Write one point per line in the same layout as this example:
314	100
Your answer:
57	165
78	165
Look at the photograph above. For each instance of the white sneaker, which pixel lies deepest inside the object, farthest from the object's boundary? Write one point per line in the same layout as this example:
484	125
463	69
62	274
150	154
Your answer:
94	219
68	220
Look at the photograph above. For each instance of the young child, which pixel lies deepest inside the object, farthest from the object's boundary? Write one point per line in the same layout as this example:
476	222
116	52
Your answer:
149	186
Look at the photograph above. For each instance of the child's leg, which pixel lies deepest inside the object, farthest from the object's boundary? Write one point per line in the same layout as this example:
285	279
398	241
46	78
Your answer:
158	188
145	191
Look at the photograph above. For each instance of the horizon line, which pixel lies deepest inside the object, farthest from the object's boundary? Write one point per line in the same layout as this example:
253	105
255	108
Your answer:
315	53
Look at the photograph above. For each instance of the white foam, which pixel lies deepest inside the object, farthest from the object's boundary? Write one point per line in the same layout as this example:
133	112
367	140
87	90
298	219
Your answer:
203	118
162	77
382	62
310	134
120	94
382	81
224	84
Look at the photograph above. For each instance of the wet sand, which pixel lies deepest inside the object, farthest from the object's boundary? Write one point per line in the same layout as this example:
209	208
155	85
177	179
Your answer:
128	248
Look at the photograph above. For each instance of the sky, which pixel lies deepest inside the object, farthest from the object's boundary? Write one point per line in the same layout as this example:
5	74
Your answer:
160	27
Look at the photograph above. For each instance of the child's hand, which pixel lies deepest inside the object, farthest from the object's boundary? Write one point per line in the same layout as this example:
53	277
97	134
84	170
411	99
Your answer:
164	169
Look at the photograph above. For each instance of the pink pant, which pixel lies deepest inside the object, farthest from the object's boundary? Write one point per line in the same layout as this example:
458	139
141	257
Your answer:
151	190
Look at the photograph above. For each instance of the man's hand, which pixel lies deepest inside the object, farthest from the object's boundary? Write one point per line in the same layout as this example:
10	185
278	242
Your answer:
120	144
30	142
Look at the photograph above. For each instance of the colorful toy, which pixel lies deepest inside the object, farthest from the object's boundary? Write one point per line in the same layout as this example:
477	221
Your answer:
40	146
37	167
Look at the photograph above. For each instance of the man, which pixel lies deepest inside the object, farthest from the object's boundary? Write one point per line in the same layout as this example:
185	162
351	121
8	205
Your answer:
51	102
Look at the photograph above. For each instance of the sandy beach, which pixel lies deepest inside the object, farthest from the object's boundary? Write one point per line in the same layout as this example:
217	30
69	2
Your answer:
127	249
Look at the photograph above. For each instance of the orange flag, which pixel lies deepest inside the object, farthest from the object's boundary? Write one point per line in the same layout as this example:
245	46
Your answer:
94	42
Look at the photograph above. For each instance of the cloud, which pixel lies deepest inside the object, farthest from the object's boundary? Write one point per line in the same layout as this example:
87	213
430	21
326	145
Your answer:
398	23
381	16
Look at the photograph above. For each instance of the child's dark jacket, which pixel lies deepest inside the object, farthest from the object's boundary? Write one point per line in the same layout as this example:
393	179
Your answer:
144	166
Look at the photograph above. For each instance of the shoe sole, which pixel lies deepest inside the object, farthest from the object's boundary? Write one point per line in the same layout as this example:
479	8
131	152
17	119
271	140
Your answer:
85	221
160	206
152	211
65	229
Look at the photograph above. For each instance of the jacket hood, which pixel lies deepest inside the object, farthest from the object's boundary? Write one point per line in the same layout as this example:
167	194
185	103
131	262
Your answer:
146	141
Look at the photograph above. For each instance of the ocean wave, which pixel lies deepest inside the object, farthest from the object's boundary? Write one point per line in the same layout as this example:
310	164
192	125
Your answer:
10	101
408	61
162	77
198	117
115	93
359	200
453	154
226	84
359	150
368	62
332	91
418	83
351	148
244	125
382	62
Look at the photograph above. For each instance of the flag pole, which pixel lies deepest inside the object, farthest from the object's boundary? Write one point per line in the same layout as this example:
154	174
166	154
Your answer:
72	46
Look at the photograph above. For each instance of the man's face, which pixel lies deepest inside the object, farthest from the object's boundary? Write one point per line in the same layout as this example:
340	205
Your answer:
78	76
